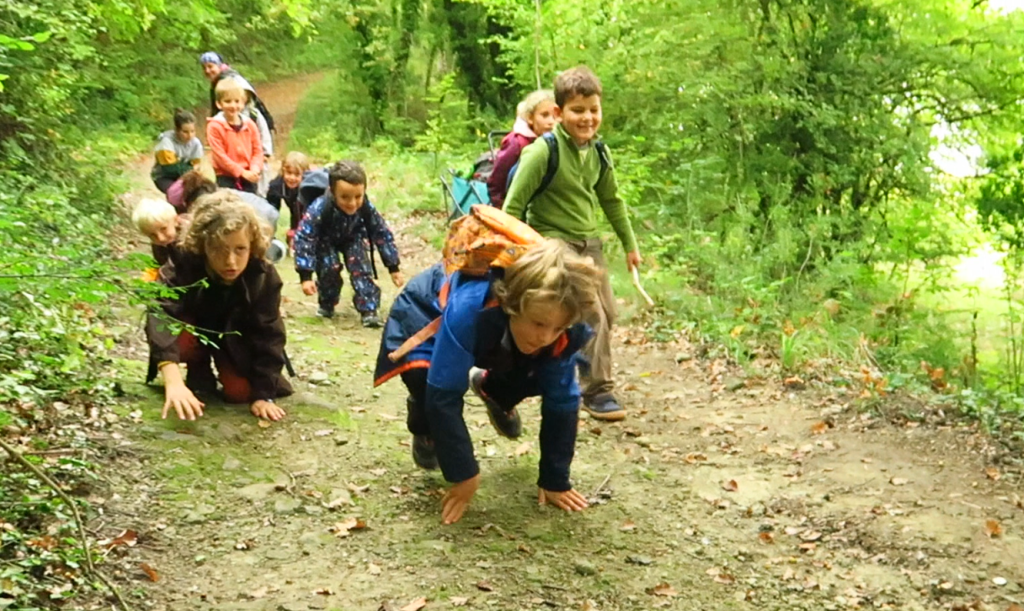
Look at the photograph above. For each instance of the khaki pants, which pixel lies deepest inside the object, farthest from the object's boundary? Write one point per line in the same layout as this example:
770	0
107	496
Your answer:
599	350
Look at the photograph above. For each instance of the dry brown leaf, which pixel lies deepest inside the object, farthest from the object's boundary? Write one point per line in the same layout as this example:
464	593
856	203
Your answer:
993	528
264	424
628	525
662	589
898	481
524	448
324	592
766	537
808	547
46	542
993	474
725	578
819	427
484	586
588	605
127	537
458	601
730	486
415	605
794	383
341	529
258	593
355	489
373	569
150	572
810	535
695	457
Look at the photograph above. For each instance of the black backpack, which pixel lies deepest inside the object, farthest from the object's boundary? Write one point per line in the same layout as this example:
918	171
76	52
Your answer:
549	173
314	184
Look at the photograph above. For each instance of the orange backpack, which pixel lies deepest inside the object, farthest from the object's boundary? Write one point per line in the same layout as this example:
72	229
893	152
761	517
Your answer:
485	238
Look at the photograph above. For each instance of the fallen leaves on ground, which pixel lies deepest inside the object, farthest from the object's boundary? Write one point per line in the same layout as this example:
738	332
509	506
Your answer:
150	572
662	589
898	481
524	448
819	427
484	586
627	526
127	538
721	575
766	537
458	601
695	457
993	474
324	592
415	605
993	528
341	529
264	424
730	486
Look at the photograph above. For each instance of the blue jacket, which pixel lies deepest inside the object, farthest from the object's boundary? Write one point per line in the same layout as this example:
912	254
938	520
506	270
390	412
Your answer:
326	229
475	332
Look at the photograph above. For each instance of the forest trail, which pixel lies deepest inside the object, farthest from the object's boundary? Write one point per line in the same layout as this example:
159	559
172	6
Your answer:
715	493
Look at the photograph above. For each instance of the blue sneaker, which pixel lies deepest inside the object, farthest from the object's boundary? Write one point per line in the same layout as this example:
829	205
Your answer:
604	407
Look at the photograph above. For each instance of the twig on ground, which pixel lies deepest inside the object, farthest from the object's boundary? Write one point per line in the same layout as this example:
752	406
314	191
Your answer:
84	541
601	487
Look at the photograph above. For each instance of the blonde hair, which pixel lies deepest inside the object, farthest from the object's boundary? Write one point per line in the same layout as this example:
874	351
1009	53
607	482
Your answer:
218	214
551	273
530	103
296	160
151	212
228	86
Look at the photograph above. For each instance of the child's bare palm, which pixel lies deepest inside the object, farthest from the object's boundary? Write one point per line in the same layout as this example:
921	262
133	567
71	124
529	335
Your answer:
570	500
309	287
456	500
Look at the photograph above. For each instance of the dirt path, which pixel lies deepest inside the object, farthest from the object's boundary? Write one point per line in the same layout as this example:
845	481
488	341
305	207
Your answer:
707	498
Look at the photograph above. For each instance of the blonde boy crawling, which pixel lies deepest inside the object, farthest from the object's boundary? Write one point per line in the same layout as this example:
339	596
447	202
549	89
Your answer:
507	336
158	221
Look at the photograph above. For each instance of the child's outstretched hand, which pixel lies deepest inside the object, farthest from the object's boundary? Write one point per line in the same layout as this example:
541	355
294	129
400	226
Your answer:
309	287
250	176
570	500
183	401
398	278
456	500
266	410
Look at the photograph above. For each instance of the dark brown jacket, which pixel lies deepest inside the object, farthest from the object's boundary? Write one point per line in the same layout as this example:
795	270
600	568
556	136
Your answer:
254	336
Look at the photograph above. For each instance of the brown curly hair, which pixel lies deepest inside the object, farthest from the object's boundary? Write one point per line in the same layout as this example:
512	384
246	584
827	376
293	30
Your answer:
218	214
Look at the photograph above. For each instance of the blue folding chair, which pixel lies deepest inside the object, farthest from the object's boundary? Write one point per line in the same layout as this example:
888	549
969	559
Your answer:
461	193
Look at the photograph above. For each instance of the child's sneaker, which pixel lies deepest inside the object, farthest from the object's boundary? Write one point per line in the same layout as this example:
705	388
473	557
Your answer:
324	312
506	422
372	321
276	251
423	452
604	407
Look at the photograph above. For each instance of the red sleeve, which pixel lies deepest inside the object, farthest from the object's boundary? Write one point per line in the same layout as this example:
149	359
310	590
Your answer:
508	155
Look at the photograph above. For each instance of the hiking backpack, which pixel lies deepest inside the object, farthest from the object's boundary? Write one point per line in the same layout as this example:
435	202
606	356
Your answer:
314	184
552	167
484	239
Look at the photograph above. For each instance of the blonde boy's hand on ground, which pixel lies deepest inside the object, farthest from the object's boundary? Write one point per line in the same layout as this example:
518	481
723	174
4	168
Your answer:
398	278
633	259
266	410
570	500
309	287
187	406
456	500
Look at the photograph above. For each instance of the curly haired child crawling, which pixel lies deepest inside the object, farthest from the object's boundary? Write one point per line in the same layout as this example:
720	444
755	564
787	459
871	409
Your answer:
232	295
507	337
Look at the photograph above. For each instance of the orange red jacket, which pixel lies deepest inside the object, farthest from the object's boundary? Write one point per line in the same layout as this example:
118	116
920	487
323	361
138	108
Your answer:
234	151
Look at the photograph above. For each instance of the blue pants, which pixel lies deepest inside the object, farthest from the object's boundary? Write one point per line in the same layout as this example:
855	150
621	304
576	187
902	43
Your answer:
360	273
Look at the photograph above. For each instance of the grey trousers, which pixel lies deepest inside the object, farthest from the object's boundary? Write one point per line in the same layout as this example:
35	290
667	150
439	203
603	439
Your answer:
599	350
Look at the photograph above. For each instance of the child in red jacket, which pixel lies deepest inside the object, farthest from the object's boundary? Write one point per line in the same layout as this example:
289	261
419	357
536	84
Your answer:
234	140
535	116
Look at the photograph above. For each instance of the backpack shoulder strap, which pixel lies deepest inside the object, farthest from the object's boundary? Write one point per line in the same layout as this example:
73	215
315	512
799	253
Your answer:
549	173
602	156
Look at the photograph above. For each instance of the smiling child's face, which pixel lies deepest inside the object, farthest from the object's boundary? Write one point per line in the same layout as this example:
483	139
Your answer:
163	233
292	176
581	116
348	197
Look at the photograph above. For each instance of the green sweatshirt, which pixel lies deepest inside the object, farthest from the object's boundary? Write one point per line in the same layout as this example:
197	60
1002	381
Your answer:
567	209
